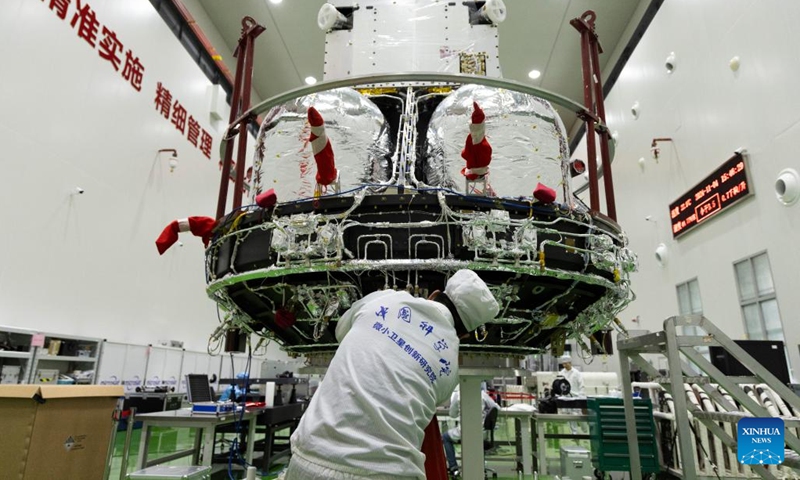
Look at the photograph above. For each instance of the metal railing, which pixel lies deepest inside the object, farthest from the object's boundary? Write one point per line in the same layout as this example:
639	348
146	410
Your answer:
704	410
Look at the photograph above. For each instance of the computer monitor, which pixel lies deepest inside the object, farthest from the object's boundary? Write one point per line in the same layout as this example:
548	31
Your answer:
198	389
771	354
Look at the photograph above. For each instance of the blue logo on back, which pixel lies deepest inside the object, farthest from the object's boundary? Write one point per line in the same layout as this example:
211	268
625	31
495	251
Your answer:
760	441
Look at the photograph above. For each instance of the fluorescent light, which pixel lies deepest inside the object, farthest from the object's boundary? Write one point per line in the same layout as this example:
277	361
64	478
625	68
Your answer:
534	74
311	80
275	2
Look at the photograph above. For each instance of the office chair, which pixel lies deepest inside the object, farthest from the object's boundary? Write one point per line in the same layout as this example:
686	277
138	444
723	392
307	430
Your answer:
489	423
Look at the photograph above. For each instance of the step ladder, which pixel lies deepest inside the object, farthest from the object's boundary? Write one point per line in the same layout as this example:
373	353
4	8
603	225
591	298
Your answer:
713	383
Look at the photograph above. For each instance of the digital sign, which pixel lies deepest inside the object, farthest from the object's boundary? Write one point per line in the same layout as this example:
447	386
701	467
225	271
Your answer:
720	190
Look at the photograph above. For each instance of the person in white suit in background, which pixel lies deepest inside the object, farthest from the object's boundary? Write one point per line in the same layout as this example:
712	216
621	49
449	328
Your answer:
575	379
572	375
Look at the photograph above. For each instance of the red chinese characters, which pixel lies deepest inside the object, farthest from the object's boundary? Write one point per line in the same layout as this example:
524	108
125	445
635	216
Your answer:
88	23
163	100
735	191
179	116
172	110
194	131
134	71
109	47
60	7
205	144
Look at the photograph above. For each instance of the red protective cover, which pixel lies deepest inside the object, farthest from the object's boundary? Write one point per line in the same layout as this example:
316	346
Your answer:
477	155
199	226
432	447
326	164
544	193
267	199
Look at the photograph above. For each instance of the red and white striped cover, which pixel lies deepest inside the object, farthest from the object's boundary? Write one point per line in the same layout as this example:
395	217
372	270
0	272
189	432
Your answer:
199	226
321	146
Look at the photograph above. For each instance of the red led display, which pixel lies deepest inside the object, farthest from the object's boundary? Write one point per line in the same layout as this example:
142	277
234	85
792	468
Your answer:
718	191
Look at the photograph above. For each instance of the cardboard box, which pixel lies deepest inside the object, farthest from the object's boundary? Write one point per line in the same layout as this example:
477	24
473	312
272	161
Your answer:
55	431
53	347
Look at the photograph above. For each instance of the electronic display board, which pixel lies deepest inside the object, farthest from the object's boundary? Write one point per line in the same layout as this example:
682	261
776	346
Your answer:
726	186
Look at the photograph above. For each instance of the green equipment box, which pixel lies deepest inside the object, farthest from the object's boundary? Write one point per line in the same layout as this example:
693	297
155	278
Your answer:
609	436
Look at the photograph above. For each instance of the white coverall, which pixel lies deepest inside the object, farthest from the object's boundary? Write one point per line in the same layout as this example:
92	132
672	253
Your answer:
575	379
397	360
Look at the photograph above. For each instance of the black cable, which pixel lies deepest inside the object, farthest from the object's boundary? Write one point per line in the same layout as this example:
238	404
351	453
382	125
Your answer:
234	444
672	452
700	443
233	453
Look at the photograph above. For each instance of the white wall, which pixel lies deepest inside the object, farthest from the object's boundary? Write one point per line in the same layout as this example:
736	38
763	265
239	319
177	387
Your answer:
205	23
87	264
710	111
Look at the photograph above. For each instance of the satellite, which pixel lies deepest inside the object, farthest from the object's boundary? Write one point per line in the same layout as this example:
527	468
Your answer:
374	179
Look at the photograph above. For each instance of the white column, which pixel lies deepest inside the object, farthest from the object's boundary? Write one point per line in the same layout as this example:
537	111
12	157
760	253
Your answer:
471	428
527	455
251	438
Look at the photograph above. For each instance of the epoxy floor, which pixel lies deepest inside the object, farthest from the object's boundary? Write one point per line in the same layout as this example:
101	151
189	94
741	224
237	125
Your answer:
167	440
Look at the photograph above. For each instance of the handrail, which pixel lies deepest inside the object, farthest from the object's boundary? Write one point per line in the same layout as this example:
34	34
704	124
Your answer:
702	407
407	77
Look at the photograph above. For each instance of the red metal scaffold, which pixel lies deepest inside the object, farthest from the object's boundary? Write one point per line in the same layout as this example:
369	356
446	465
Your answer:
596	121
239	105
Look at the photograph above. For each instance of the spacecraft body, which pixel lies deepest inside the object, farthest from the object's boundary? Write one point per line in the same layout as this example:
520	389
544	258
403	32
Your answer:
402	214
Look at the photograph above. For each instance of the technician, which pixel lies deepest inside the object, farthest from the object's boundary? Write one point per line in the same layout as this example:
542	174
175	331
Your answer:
397	360
454	434
575	379
572	375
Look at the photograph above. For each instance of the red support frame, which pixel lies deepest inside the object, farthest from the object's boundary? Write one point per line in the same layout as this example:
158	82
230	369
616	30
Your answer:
596	120
240	103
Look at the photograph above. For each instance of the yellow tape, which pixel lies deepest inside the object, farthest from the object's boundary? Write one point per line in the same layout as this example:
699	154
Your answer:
376	91
440	89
